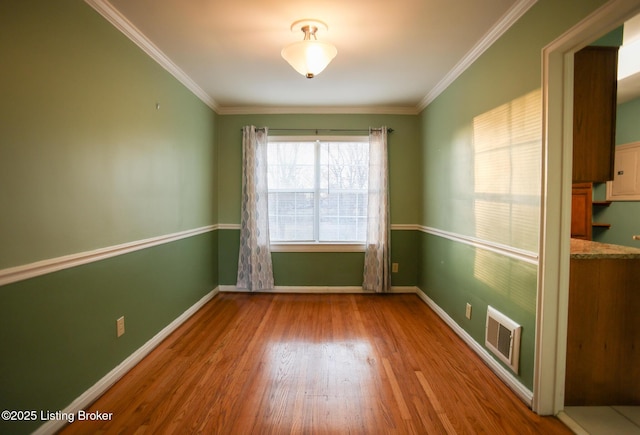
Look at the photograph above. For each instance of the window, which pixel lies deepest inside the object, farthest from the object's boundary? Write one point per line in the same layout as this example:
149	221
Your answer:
318	189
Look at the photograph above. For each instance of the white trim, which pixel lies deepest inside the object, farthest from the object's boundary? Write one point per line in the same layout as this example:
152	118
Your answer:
229	226
107	381
100	387
394	227
498	248
503	24
505	375
317	247
120	22
508	251
321	247
316	110
319	289
555	223
32	270
405	227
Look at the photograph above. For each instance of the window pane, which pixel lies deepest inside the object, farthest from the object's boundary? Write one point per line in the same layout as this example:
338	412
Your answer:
291	216
343	216
341	189
291	165
344	169
344	165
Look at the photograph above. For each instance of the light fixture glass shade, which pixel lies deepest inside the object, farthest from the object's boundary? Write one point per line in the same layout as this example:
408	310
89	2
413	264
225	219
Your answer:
309	57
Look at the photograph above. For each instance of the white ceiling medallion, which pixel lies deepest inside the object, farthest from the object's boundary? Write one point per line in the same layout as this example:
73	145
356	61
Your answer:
309	57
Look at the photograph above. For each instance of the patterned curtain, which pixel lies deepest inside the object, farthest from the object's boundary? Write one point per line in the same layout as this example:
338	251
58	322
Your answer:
376	256
255	271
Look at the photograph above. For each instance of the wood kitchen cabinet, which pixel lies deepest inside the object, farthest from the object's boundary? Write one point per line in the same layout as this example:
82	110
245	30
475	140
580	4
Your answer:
582	211
603	330
594	113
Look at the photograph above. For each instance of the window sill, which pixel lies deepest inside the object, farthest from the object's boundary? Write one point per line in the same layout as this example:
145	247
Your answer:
317	247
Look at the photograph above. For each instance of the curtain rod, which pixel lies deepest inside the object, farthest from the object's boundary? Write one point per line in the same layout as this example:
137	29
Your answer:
316	130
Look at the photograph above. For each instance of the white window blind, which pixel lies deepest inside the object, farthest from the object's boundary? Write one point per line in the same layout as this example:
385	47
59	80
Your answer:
318	189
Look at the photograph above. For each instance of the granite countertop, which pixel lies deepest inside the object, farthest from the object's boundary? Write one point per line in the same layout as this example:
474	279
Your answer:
588	250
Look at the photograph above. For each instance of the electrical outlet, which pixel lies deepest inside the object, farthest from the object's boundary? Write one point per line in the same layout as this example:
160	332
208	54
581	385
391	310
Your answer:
394	267
120	326
468	311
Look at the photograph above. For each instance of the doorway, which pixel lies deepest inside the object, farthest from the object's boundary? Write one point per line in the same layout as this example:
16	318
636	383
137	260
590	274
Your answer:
553	275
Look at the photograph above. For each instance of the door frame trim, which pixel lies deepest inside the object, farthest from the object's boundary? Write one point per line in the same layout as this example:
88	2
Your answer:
555	219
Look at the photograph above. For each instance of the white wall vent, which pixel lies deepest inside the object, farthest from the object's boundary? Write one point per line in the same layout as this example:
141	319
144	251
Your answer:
502	337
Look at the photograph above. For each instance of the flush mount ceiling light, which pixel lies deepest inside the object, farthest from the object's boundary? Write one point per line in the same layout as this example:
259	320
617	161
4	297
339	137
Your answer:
309	56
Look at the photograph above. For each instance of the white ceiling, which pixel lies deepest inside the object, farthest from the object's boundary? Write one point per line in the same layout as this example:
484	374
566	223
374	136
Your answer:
393	56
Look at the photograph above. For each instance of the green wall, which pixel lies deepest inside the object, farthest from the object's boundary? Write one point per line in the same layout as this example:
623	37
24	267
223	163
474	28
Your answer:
311	269
627	125
404	163
87	162
296	269
97	164
622	215
453	273
58	330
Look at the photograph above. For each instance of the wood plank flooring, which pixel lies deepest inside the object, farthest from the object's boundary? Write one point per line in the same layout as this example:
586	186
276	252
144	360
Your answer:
322	364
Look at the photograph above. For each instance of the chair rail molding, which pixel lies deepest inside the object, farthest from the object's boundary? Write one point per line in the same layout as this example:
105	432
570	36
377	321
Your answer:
38	268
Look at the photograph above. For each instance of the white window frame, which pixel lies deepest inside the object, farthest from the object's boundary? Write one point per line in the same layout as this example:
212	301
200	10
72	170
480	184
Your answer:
287	246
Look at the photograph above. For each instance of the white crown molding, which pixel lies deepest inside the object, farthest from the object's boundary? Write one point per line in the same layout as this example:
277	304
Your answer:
107	381
32	270
316	110
120	22
503	24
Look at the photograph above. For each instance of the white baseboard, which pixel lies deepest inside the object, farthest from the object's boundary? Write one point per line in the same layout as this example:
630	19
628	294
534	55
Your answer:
100	387
318	289
505	376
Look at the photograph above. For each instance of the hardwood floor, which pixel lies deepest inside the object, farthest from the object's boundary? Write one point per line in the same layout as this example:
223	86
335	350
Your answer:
326	364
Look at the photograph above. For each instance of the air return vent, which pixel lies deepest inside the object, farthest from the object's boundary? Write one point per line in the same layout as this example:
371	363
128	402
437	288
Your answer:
502	337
